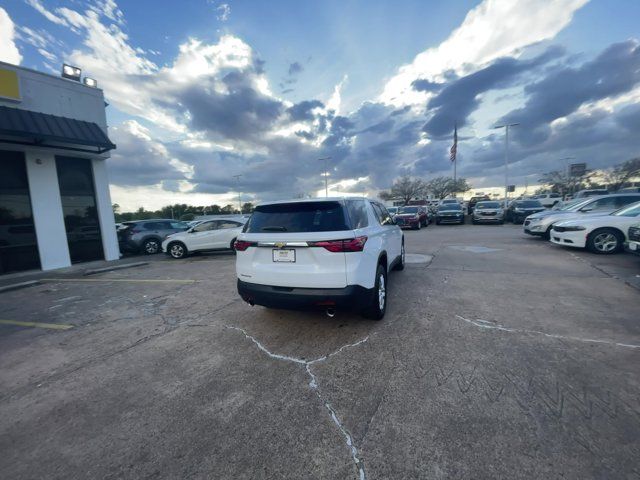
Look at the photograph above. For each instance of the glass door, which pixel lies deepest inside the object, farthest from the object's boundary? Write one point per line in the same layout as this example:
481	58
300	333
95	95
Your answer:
77	192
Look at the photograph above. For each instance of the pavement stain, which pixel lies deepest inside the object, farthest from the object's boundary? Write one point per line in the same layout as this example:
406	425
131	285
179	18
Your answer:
313	384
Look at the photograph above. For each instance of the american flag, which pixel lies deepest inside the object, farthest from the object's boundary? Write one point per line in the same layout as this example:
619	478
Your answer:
454	148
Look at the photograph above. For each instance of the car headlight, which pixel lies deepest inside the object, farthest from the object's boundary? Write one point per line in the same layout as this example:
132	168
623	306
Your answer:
576	228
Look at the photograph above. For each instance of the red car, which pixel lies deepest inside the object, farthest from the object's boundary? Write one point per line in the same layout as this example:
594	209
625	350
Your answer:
412	217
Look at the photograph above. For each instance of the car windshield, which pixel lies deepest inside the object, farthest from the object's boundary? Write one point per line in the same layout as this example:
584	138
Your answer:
487	205
632	210
392	209
298	217
453	207
408	210
529	204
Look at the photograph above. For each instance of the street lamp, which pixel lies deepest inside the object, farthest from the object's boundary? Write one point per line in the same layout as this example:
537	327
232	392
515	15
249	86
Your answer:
326	176
237	177
506	159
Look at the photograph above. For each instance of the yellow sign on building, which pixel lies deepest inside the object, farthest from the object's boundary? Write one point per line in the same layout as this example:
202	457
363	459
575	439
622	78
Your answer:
9	85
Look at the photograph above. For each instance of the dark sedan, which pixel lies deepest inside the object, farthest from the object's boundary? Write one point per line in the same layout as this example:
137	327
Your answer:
450	213
521	209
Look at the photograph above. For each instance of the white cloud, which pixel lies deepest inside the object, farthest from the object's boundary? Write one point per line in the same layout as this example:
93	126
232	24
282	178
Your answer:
8	50
493	29
223	10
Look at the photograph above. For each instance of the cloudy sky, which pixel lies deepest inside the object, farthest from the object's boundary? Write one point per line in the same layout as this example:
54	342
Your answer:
203	90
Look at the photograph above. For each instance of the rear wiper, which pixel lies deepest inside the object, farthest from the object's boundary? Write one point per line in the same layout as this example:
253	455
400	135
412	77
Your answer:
273	229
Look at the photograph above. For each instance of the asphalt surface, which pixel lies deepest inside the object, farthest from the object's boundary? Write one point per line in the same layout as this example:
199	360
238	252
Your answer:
501	356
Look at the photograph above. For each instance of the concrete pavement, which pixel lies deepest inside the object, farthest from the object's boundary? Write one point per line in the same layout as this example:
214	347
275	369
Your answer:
501	357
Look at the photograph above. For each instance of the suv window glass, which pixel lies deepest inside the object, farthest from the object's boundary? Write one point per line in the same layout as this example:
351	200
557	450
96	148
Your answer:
228	224
153	226
529	204
608	203
626	200
386	218
176	225
357	213
630	211
205	227
298	217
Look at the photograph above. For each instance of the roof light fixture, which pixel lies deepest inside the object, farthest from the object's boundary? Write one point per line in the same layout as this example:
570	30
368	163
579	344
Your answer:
71	72
90	82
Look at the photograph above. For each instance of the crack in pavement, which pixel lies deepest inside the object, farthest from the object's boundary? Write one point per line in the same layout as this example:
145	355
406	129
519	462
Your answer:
313	384
495	326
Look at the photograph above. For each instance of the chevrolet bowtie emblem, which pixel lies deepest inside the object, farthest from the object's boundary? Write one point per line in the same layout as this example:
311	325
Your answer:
280	244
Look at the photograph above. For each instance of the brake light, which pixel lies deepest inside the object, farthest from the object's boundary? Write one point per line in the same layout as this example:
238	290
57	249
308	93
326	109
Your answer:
348	245
242	245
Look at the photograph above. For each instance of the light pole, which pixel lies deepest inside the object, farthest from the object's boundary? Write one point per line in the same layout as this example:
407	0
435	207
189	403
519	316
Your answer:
326	176
237	177
506	127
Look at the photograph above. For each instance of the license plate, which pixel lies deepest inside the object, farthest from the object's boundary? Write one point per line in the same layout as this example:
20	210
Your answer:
286	255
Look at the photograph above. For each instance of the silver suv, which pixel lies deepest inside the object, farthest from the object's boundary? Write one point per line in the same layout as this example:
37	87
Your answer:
146	236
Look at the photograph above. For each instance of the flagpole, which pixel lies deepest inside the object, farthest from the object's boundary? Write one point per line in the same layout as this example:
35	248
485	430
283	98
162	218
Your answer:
455	159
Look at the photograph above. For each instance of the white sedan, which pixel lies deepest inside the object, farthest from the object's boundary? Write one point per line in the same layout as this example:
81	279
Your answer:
206	236
600	234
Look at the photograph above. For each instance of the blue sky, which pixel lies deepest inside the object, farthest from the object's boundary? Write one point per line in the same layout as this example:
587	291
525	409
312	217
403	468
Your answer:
205	90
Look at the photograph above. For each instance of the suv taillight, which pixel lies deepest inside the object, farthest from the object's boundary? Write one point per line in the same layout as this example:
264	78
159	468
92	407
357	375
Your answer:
349	245
242	245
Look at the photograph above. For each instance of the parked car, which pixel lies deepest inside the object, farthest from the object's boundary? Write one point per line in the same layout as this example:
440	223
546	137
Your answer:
412	216
633	245
603	234
629	190
205	236
450	213
593	192
319	253
540	223
488	212
393	211
474	200
520	209
547	200
146	236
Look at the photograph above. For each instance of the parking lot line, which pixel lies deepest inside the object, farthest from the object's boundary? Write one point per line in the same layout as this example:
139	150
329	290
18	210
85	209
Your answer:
130	280
53	326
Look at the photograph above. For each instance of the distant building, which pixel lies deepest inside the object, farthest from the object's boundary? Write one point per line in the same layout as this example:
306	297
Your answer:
55	206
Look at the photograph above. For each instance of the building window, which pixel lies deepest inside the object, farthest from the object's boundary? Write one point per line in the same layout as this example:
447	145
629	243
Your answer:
18	243
77	192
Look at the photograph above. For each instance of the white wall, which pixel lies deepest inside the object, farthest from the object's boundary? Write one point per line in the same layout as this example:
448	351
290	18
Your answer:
105	210
47	210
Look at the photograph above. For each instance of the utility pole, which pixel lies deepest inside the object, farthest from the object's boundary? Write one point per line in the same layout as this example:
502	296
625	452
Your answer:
326	175
237	177
506	159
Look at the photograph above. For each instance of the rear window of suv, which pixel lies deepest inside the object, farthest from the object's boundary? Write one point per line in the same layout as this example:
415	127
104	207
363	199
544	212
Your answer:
298	217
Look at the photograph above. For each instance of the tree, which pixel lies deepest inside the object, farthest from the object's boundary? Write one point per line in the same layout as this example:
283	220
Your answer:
404	188
564	184
228	209
441	187
115	207
247	207
621	174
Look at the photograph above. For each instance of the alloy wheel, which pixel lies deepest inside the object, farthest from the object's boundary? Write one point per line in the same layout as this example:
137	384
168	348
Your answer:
177	250
605	242
151	247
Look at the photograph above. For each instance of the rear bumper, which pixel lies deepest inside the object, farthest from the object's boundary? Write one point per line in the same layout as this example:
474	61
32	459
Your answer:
351	296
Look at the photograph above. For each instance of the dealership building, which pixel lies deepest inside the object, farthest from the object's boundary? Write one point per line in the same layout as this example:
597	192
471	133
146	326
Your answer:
55	206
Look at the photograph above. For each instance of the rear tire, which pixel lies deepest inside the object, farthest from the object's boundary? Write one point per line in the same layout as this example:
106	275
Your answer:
474	221
378	302
151	246
231	245
605	241
400	266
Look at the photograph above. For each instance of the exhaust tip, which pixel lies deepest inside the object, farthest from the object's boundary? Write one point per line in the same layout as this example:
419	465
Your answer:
331	312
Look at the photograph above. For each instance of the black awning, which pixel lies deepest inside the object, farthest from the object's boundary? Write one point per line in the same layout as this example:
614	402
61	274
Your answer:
33	128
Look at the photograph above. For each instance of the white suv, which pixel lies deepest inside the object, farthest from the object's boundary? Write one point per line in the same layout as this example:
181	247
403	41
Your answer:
319	253
205	236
